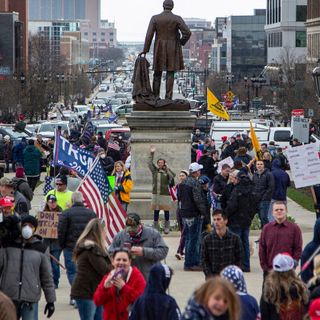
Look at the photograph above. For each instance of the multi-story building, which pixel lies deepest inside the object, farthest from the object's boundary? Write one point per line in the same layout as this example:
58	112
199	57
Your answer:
10	44
198	49
98	33
286	30
20	7
219	47
246	44
313	31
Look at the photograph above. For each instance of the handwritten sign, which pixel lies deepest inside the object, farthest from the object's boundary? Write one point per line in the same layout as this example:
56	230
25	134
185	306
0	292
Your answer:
305	165
228	161
48	224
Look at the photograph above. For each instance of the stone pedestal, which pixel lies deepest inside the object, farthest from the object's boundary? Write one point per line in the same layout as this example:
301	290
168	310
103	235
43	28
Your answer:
170	132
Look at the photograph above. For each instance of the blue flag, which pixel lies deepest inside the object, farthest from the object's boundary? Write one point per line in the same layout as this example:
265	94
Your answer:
70	156
87	133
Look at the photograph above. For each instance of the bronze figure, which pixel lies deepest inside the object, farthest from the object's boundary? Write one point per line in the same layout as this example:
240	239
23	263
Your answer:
171	33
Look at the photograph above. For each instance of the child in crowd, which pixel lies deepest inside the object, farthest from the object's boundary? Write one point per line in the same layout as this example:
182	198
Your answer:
249	305
215	299
284	295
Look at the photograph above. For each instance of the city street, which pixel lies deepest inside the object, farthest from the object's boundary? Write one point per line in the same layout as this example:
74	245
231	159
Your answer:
183	283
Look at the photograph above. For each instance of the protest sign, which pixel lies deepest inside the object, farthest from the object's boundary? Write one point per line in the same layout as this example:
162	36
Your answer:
48	224
228	161
68	155
305	165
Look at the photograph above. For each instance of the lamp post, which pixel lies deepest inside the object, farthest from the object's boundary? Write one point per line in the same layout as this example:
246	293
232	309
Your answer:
246	85
229	80
316	80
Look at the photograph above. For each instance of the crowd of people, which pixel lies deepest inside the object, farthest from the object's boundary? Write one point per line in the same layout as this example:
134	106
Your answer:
216	203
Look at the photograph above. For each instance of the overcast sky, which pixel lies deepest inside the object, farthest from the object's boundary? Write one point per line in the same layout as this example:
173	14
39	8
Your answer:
132	16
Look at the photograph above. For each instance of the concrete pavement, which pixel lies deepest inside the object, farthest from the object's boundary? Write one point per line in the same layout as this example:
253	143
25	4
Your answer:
184	283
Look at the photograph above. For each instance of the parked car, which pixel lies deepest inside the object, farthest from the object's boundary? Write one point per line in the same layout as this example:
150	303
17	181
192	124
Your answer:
15	136
47	129
123	109
81	110
103	87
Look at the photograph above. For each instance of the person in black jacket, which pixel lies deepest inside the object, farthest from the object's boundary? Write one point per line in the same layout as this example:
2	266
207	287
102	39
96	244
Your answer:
154	303
72	222
263	189
220	182
106	162
208	163
240	212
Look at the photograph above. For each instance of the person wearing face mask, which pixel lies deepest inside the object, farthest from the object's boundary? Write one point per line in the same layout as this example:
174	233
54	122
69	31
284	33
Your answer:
26	270
120	288
106	162
146	244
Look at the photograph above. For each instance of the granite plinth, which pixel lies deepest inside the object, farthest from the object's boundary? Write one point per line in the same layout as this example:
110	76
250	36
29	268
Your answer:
170	133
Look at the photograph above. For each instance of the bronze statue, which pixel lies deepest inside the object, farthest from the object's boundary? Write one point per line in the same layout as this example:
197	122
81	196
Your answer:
171	33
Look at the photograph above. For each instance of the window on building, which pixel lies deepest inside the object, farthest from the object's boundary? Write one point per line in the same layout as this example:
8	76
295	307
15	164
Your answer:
301	13
86	34
94	40
94	33
301	39
103	40
111	34
103	34
111	40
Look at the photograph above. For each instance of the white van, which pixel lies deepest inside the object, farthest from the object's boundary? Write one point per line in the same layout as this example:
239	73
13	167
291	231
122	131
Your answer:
280	135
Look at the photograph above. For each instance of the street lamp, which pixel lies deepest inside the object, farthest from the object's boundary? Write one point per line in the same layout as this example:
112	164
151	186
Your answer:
229	80
316	80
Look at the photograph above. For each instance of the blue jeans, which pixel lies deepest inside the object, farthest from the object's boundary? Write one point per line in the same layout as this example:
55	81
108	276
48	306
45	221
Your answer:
55	266
193	229
263	212
243	233
69	264
27	311
88	310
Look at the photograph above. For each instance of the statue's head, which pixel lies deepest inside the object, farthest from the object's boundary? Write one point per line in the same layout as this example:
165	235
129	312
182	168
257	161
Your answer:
168	4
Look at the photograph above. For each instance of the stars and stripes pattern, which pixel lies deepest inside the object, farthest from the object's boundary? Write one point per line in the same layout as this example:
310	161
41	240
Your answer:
47	184
97	195
87	133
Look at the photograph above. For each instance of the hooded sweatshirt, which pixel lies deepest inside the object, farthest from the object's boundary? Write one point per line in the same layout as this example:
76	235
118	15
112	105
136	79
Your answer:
281	181
154	303
307	274
249	305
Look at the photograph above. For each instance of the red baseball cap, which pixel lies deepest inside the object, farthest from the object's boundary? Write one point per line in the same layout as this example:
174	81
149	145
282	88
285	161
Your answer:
7	202
314	309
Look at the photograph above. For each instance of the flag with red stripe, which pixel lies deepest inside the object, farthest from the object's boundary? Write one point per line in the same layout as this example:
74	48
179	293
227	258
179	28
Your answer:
97	195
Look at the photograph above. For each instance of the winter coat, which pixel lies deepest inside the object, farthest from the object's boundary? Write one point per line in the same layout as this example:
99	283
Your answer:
154	303
190	197
314	288
219	184
31	161
92	266
308	250
171	33
161	179
7	150
282	181
241	206
30	263
209	169
226	194
123	190
229	151
17	152
154	248
263	185
196	311
71	224
107	164
21	204
245	159
116	302
23	187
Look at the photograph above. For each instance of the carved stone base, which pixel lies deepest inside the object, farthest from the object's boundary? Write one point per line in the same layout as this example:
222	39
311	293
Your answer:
170	107
170	133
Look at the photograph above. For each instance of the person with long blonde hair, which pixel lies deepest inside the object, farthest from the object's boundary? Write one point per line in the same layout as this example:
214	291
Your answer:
284	295
215	299
93	262
123	183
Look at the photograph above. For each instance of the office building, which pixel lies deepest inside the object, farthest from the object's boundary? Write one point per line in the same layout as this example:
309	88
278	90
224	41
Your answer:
286	30
219	47
246	44
313	31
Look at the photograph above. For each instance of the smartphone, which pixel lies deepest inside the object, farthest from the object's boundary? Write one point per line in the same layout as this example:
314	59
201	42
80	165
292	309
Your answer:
118	274
127	245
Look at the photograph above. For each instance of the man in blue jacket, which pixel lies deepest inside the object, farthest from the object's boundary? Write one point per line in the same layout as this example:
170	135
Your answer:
281	184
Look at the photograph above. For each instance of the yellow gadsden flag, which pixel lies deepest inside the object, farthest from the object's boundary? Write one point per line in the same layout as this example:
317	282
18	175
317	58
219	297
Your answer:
215	107
255	143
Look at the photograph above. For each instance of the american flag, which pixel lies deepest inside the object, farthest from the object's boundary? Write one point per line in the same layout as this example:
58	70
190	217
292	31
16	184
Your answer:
98	196
87	133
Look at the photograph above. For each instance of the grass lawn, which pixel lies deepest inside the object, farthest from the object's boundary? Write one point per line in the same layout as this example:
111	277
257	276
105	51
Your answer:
301	198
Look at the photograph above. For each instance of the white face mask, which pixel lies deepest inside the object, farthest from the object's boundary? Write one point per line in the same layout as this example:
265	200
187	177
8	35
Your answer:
27	232
103	156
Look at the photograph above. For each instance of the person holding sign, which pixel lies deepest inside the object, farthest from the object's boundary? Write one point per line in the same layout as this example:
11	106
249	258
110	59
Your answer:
53	243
